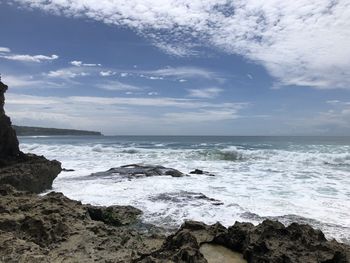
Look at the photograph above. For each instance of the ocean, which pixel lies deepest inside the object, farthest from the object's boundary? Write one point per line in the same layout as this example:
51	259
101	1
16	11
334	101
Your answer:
291	179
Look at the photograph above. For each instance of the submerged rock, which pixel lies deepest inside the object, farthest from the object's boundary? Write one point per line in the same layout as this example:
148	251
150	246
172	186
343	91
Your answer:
23	171
185	197
138	170
198	171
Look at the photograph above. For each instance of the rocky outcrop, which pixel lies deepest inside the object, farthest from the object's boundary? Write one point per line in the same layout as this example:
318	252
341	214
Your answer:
30	173
53	228
114	215
23	171
8	139
269	242
137	170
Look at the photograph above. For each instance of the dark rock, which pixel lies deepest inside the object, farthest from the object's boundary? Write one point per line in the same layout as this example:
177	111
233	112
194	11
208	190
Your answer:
24	171
137	170
184	197
8	139
67	170
114	215
30	173
198	171
272	242
269	242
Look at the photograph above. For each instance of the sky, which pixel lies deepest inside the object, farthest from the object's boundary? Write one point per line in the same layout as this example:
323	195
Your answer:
178	67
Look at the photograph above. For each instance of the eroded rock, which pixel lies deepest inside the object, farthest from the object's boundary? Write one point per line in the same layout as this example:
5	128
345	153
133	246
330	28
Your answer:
54	228
269	242
114	215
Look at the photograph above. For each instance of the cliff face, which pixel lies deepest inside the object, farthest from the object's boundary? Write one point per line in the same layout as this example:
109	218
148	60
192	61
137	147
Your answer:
23	171
8	139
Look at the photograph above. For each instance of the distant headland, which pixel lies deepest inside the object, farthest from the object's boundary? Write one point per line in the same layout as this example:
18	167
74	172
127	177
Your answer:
39	131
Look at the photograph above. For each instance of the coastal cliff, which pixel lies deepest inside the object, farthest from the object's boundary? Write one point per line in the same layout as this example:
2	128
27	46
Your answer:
8	139
54	228
23	171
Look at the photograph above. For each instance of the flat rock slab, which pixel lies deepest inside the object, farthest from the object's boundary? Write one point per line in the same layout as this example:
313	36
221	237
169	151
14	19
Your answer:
139	171
220	254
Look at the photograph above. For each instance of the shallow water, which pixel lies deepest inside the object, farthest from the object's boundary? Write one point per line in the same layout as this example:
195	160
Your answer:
300	179
219	254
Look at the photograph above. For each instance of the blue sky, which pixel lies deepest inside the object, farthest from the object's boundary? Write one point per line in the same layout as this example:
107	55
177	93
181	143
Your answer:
178	67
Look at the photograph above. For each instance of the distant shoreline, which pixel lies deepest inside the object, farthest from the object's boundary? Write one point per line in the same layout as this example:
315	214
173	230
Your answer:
40	131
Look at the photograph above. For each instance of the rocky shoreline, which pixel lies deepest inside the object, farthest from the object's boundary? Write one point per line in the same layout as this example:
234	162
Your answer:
54	228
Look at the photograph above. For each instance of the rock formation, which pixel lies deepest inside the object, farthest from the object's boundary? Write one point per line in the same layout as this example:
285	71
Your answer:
138	170
8	139
269	242
53	228
23	171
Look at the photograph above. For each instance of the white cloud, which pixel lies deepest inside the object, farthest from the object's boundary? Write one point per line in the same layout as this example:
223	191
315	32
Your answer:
205	93
124	74
27	81
118	86
29	58
4	50
107	73
204	116
183	72
67	73
78	63
299	42
118	114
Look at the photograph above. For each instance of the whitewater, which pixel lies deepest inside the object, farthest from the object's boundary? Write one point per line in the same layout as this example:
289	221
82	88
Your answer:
291	179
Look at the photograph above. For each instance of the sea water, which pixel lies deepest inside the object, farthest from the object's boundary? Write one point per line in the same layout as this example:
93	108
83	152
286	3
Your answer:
291	179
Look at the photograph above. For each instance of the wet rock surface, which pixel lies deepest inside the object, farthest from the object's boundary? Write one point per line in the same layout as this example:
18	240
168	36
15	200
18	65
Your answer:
137	171
23	171
198	171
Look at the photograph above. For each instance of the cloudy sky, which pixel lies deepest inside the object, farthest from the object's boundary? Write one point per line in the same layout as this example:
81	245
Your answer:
178	67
